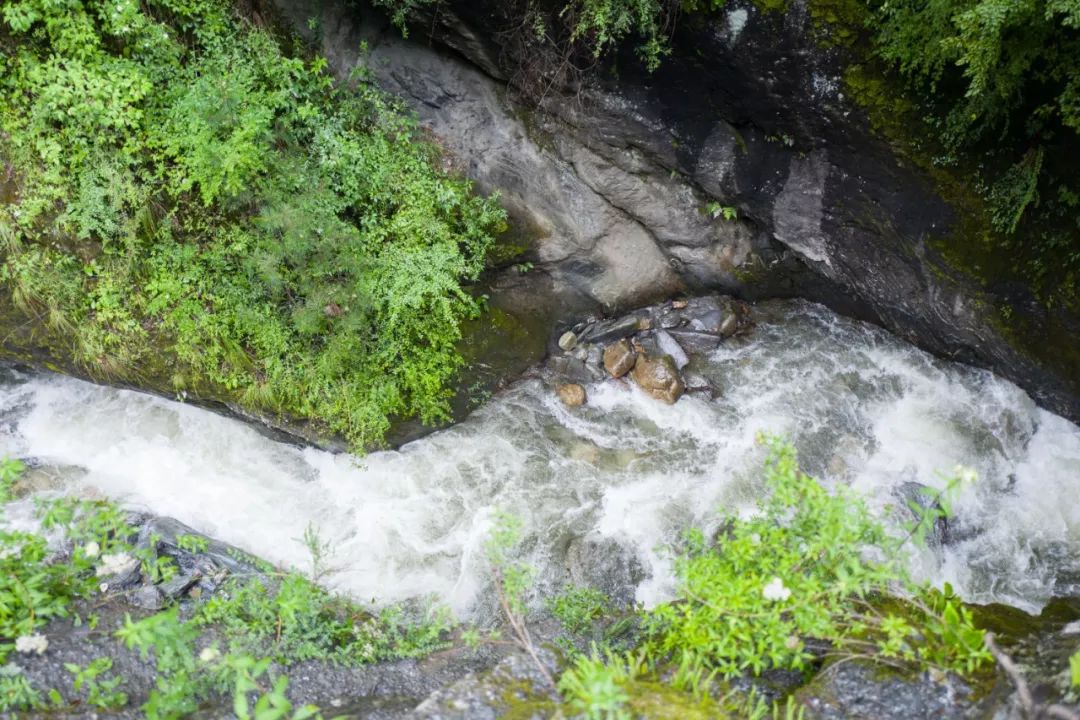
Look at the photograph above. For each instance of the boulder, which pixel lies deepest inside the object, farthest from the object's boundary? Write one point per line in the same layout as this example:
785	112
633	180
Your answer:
607	331
669	346
571	394
659	377
619	358
694	341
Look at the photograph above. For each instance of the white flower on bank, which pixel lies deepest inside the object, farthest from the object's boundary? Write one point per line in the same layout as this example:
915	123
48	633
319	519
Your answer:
35	643
91	549
966	475
775	590
10	552
209	654
115	564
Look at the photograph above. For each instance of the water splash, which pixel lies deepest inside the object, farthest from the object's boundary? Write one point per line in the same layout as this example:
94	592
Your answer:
862	407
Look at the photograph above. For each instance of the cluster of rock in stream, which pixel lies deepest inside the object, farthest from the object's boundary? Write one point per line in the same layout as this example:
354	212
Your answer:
651	347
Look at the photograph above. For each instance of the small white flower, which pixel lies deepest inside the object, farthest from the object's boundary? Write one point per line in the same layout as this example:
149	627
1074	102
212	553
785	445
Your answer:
103	587
755	539
91	549
35	643
115	564
209	654
965	474
775	590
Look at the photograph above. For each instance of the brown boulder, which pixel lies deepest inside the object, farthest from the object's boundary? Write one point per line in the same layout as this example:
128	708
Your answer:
619	358
659	378
571	394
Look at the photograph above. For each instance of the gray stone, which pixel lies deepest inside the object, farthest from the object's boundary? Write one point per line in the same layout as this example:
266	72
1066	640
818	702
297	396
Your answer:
607	331
669	346
178	585
694	341
605	564
147	597
860	690
568	369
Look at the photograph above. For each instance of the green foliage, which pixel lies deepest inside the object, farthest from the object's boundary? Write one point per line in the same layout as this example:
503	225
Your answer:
34	588
999	82
594	685
101	693
183	679
185	186
576	607
513	578
801	568
292	620
1074	669
16	692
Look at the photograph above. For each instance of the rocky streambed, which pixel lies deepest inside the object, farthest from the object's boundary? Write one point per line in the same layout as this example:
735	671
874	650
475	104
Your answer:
657	436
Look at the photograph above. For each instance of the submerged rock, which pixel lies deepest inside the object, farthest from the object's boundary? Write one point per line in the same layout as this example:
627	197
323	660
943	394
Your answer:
619	358
571	394
659	377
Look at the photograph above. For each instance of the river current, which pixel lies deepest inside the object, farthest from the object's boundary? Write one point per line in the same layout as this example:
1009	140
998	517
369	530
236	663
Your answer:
863	408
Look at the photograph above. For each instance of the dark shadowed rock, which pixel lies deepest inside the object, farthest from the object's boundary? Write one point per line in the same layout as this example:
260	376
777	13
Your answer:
607	331
608	566
860	691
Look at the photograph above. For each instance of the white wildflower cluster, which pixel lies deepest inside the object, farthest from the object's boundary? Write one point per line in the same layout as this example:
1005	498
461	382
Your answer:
966	475
91	549
775	591
115	564
209	654
35	643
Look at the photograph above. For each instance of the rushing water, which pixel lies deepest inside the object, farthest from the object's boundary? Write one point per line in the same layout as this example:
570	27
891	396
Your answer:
862	407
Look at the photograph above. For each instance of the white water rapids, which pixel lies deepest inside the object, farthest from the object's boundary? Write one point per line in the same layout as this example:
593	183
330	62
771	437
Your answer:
861	406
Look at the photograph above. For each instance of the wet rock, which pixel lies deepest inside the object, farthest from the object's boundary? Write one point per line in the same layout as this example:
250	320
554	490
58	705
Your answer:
515	684
595	357
857	690
573	370
568	340
166	534
571	394
695	341
659	377
177	586
607	331
918	499
729	326
147	597
608	566
619	358
669	346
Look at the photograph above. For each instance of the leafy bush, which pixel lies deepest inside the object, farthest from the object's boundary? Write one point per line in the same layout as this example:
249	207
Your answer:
182	184
999	81
291	620
809	565
594	685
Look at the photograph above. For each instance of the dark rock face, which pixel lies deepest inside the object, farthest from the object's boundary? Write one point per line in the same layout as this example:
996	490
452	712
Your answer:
611	181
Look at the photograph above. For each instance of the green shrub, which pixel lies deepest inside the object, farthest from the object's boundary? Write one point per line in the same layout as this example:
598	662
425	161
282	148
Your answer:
184	185
809	565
